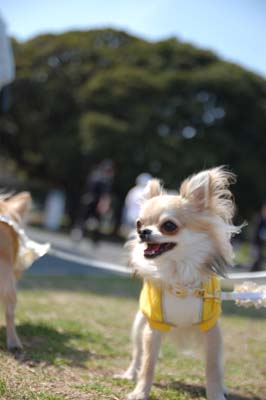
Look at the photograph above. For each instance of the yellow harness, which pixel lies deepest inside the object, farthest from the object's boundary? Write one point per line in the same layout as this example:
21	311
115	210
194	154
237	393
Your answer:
209	294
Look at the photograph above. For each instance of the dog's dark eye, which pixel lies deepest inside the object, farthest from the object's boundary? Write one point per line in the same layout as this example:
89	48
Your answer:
138	224
169	227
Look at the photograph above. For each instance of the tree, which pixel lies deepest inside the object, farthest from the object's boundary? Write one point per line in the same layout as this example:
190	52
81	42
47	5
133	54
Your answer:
166	107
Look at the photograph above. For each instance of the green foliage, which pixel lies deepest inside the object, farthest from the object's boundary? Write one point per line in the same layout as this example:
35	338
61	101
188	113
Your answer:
97	129
164	107
2	387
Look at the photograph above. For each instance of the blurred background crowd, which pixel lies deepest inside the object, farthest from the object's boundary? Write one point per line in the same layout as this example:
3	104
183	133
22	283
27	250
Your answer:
88	116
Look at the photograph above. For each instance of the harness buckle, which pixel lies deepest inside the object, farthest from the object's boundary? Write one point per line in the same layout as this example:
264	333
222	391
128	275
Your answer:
182	292
199	292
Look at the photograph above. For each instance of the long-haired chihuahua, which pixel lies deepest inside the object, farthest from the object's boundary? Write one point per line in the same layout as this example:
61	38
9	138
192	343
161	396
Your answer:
12	212
181	248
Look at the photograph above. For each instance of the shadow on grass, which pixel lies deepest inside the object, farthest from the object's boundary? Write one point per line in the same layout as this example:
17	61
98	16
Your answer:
44	344
194	391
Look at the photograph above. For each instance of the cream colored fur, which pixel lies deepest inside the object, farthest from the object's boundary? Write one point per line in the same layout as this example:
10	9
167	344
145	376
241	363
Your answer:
16	208
203	213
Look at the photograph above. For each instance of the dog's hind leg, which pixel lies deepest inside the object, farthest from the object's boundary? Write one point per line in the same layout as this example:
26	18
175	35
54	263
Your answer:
151	347
13	341
137	331
9	299
214	364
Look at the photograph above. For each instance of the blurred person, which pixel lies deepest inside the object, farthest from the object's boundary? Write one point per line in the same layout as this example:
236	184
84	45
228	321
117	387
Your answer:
259	240
54	209
132	202
7	67
95	201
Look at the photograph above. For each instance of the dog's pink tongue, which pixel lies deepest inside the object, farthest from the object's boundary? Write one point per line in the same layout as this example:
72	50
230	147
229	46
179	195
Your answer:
152	248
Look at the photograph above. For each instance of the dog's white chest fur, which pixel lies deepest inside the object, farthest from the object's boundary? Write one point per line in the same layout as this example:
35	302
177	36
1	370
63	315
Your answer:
181	311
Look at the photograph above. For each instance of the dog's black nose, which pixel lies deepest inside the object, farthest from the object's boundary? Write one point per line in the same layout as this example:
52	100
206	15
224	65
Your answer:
144	233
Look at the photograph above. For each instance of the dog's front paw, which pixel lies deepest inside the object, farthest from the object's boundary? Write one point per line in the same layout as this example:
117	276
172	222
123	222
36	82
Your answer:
216	392
226	393
137	395
129	375
14	344
218	396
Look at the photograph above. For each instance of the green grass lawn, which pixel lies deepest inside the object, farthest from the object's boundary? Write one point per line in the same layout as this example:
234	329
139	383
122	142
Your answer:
76	336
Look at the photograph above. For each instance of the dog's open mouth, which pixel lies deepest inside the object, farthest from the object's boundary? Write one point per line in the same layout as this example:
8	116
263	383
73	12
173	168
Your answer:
156	249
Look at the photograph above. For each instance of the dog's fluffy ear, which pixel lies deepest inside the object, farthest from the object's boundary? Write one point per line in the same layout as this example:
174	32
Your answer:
153	188
196	189
20	203
209	190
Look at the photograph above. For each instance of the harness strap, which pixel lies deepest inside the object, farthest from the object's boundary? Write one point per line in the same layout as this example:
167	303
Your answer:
181	291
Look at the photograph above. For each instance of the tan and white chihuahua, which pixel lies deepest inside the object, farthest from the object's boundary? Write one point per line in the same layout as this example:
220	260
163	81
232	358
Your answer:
182	246
12	212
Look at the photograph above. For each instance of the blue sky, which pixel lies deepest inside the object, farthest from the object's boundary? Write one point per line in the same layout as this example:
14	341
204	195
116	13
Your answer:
235	29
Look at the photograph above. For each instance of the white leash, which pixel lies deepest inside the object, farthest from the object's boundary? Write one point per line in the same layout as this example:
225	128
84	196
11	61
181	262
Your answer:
127	271
246	275
243	295
121	269
248	294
